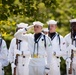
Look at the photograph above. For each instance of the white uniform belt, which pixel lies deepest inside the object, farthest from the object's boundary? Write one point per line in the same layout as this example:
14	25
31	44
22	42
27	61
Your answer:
25	56
38	56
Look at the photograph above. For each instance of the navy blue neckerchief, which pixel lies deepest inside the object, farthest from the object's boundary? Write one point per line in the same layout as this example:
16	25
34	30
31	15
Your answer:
36	42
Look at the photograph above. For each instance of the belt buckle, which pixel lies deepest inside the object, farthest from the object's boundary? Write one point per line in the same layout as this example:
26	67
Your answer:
35	56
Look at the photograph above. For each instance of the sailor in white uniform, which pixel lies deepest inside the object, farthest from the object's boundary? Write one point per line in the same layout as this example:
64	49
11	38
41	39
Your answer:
39	46
58	46
3	55
70	40
19	47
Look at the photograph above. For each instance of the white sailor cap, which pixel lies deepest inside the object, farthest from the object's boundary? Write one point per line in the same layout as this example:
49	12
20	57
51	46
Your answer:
38	23
22	25
72	20
51	22
45	29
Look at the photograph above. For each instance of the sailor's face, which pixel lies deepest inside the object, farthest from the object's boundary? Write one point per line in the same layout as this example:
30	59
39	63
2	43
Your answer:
37	29
74	26
52	28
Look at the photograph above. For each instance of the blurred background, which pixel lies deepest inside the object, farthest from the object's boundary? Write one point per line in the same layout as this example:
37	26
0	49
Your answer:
13	12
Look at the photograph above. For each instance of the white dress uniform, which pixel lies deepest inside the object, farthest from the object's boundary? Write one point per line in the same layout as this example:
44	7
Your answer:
3	56
37	62
70	40
59	52
68	44
23	60
58	48
24	54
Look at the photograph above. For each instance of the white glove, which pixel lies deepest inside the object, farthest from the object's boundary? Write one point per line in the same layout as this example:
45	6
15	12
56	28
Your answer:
29	27
68	60
25	29
13	66
17	52
70	47
22	30
47	69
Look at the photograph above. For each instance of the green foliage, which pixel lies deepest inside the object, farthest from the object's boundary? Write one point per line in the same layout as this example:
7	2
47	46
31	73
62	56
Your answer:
13	12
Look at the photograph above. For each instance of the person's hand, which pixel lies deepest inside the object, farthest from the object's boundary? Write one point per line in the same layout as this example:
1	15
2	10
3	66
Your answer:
18	52
71	47
68	60
13	65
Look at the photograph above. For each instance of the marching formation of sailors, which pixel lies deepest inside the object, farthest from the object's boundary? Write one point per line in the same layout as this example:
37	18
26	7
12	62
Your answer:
39	53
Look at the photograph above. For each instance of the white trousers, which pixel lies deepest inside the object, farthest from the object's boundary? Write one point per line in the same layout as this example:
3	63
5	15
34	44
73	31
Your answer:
54	68
36	70
22	70
22	67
